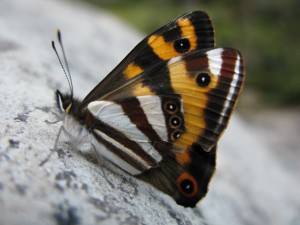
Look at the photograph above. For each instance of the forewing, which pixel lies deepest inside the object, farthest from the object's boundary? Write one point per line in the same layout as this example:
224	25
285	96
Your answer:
187	33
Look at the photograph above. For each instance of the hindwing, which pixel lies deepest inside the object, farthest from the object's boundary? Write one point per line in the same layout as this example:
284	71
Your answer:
175	114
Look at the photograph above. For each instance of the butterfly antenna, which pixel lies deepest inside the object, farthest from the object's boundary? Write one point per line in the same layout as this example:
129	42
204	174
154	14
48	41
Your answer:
66	72
65	58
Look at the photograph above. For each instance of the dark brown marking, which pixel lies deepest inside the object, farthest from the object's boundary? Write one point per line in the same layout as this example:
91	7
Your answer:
123	140
127	158
198	63
135	112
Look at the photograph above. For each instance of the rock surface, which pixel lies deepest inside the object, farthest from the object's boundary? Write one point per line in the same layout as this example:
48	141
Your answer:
250	186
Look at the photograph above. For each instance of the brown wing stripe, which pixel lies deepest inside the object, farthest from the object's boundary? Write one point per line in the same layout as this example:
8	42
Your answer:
115	150
222	99
126	142
135	113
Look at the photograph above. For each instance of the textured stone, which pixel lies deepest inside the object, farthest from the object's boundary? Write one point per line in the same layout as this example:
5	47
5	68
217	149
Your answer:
250	187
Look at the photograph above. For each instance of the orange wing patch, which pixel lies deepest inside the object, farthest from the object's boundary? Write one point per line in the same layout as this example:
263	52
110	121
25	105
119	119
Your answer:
132	70
188	31
141	90
161	48
194	103
165	50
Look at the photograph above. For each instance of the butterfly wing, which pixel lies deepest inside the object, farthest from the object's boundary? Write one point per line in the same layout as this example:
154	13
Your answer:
209	83
204	83
187	33
132	131
193	97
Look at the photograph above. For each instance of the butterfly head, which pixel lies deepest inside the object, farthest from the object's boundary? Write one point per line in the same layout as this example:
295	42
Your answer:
69	105
64	101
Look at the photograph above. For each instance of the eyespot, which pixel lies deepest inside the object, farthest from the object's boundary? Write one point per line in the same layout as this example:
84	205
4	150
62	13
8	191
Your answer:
175	121
187	185
171	107
175	135
182	45
203	79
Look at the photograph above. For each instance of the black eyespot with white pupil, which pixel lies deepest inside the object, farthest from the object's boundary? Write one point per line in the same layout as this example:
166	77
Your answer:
175	135
187	186
171	107
175	121
182	45
203	79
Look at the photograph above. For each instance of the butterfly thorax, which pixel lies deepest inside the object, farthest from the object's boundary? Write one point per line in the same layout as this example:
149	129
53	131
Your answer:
74	119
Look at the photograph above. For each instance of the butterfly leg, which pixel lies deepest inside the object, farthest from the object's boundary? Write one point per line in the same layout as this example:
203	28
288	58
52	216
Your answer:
102	164
58	117
55	149
52	122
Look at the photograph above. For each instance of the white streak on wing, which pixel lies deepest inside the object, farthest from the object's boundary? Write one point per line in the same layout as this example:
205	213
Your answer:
113	115
79	135
151	106
233	85
103	151
215	61
174	60
103	109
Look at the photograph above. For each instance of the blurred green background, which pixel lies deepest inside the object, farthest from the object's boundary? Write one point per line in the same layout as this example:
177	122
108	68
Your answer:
265	31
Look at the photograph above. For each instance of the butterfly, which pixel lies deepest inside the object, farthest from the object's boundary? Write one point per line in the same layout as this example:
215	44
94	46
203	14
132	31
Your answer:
160	113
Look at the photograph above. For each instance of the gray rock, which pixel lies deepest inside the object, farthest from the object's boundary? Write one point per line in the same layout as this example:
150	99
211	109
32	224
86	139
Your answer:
250	186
